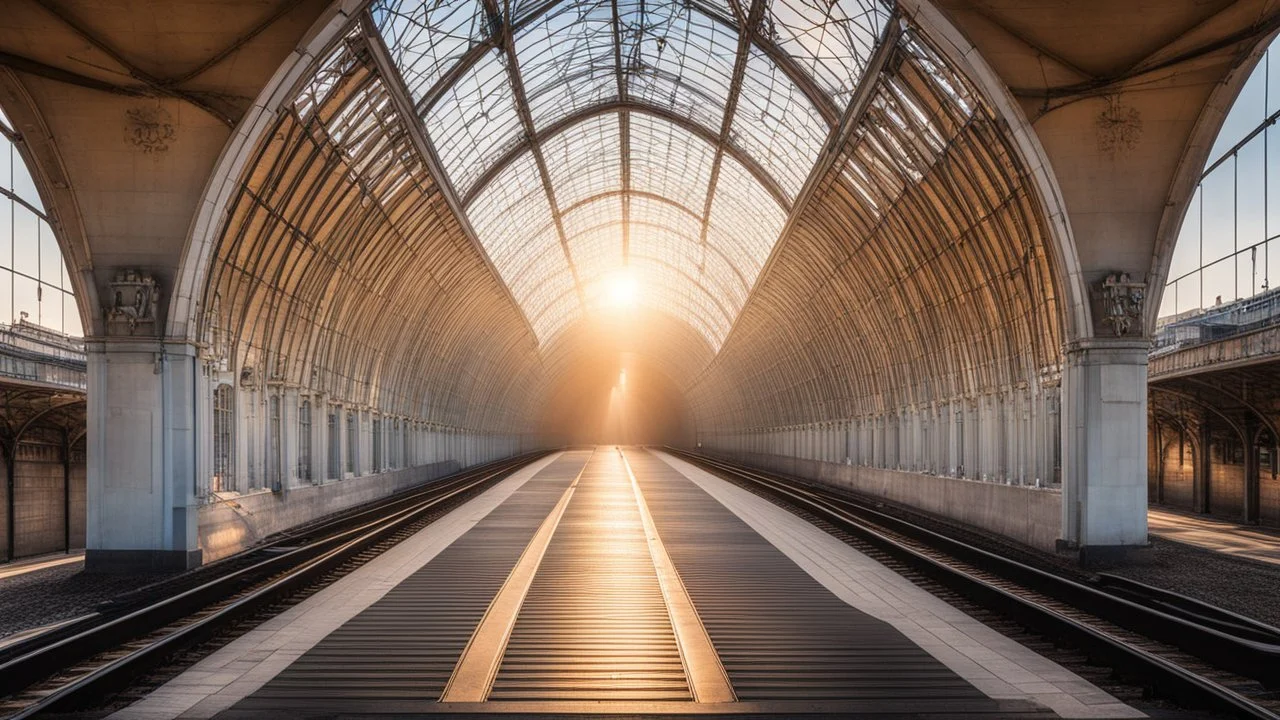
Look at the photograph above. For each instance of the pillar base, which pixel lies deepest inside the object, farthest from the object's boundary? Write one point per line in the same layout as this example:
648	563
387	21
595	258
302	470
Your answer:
141	561
1102	556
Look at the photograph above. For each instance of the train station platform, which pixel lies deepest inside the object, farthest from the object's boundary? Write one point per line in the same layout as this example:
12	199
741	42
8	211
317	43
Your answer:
623	581
1209	533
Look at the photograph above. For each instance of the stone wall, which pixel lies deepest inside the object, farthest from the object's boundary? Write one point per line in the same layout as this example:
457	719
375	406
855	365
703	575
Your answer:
237	522
1029	515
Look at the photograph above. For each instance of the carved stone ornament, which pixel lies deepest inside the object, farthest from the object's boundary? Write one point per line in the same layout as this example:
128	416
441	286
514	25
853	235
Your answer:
133	303
1122	302
149	128
1119	127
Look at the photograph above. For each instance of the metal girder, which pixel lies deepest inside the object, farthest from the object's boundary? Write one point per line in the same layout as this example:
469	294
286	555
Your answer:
822	102
507	42
404	105
757	171
624	136
852	118
748	23
627	194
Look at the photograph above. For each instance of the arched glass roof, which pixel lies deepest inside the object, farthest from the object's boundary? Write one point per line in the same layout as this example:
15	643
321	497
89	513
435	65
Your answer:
659	143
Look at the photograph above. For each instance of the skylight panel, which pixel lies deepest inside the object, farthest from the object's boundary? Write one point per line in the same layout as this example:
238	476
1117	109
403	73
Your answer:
670	161
676	58
474	122
777	125
597	252
589	215
832	41
424	39
584	160
653	211
745	219
566	60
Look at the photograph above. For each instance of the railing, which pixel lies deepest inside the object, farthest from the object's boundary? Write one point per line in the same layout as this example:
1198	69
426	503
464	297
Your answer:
1216	323
32	353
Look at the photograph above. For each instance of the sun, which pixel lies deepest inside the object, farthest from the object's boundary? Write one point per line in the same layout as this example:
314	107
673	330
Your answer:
621	290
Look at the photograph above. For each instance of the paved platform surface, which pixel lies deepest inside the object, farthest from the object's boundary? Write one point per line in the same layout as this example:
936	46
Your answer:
1210	533
27	565
625	583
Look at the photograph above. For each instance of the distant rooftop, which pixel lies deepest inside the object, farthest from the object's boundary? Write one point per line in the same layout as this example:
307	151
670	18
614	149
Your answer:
34	353
1224	320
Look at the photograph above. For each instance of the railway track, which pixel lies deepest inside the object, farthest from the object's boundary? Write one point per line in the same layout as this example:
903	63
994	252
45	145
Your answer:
78	664
1173	647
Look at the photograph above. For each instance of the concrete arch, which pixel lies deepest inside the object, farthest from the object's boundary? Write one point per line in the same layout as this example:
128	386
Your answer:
1195	154
952	43
41	155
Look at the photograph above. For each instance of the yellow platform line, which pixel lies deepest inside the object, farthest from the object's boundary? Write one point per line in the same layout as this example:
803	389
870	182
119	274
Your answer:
708	680
473	676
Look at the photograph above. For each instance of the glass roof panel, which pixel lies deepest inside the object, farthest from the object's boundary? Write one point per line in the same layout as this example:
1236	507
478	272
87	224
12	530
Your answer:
833	41
537	262
592	214
597	253
677	58
510	209
669	291
777	125
745	219
567	61
653	211
722	279
557	310
425	38
656	242
670	161
337	63
474	122
585	160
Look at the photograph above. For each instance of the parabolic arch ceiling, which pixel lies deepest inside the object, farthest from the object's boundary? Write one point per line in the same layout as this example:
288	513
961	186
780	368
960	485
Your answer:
459	183
616	147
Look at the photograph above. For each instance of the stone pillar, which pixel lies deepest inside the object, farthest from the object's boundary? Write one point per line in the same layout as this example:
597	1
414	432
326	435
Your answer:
1104	437
142	424
1204	465
1252	476
289	401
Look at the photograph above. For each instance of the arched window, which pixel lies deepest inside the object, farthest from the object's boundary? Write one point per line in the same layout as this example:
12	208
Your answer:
335	445
304	441
34	283
274	454
223	439
352	442
1228	248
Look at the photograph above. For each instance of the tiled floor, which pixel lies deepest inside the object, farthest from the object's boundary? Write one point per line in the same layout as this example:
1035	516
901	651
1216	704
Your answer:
998	666
246	664
1001	669
1210	533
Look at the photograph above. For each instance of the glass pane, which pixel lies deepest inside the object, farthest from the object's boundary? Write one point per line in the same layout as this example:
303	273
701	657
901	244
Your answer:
832	40
1218	283
1186	251
25	298
1248	111
26	241
474	122
425	39
777	125
567	60
1218	211
50	257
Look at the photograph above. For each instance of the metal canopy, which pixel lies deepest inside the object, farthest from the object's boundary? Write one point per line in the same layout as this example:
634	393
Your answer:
654	143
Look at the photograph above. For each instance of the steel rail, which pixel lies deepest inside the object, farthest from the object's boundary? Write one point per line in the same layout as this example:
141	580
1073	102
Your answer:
283	573
1239	655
